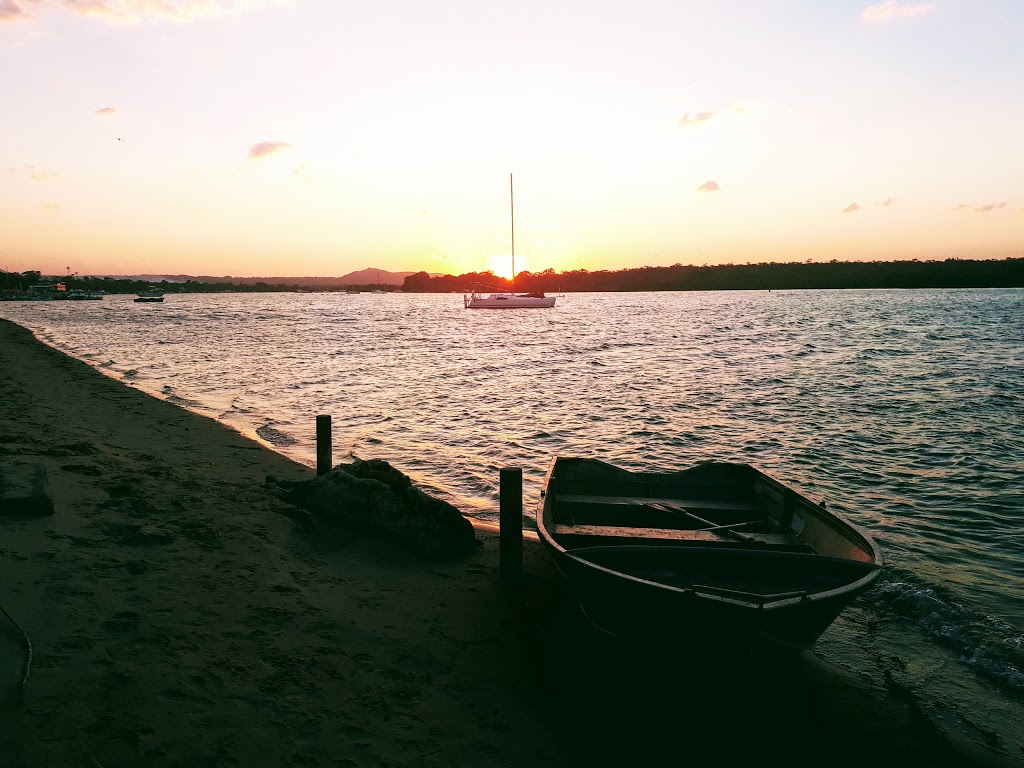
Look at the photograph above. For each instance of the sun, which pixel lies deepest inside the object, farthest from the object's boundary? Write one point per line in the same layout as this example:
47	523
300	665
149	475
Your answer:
501	265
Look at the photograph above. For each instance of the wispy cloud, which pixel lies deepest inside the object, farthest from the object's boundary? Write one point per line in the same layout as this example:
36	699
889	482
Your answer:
32	172
989	207
267	148
50	206
136	10
709	186
105	111
892	9
696	118
961	207
13	10
887	202
851	208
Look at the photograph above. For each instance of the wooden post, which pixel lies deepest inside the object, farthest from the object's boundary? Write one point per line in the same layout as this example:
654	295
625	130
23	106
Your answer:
323	445
510	524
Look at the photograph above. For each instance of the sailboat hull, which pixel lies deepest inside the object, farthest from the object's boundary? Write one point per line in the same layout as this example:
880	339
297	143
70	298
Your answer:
508	301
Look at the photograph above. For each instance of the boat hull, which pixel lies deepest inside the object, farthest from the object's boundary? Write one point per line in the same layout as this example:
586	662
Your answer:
781	583
603	583
509	301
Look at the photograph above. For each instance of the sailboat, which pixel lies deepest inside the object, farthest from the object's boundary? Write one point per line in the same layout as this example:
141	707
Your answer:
510	300
379	283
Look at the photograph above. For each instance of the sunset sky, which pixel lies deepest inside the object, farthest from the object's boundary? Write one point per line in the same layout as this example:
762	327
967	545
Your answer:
317	137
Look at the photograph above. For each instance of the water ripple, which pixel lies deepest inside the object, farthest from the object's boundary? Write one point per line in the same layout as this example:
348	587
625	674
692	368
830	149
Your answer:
904	409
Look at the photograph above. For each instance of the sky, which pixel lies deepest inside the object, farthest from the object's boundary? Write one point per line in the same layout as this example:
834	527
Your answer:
318	137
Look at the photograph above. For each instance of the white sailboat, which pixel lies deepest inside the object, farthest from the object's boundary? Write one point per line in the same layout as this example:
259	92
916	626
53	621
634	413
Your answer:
510	300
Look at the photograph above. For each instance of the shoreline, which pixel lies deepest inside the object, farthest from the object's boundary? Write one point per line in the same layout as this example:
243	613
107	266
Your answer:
180	615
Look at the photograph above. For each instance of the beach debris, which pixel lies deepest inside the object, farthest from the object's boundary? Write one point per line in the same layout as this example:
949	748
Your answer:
372	497
24	490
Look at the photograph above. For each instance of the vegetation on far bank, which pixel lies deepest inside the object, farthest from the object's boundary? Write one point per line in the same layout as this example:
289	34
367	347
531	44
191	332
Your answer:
949	273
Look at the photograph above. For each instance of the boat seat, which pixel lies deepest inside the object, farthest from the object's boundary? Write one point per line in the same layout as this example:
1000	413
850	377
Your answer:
785	541
639	501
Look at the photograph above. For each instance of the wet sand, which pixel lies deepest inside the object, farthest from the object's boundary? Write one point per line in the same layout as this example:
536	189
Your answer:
180	614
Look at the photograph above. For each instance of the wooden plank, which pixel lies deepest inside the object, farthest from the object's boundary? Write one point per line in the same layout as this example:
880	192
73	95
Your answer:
616	531
781	540
575	498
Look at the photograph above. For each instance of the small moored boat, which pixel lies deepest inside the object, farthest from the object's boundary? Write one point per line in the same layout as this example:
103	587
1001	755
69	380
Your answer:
79	294
150	294
719	555
478	300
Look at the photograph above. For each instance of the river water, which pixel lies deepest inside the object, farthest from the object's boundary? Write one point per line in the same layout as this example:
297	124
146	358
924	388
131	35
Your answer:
903	410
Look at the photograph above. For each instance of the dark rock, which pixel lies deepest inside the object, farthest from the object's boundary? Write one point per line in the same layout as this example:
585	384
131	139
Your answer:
23	490
374	498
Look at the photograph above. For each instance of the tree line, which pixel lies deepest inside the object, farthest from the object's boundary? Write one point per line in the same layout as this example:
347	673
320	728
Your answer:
948	273
21	281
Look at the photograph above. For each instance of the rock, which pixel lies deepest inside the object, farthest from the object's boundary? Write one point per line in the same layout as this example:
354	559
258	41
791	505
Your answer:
374	498
23	490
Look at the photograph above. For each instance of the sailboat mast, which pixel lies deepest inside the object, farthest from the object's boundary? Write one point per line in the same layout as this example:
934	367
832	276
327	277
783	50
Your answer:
512	209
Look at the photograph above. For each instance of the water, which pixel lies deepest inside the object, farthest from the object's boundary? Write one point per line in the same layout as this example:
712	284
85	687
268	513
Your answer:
902	409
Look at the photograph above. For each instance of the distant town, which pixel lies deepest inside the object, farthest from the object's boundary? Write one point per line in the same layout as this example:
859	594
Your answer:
948	273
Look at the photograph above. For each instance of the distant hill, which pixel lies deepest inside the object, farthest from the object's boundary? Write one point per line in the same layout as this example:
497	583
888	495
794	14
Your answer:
368	276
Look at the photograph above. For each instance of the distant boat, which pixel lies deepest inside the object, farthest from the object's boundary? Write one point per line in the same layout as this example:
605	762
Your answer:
150	294
45	292
509	300
719	555
78	294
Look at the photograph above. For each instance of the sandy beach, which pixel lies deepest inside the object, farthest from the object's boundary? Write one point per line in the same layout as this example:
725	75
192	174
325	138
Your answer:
179	613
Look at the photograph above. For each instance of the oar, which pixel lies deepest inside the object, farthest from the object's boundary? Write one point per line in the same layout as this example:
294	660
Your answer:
725	529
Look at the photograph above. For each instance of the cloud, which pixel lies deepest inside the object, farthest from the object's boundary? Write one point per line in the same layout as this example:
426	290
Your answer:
851	208
137	10
887	202
892	9
105	111
696	118
50	206
12	10
709	186
961	207
989	207
34	173
267	148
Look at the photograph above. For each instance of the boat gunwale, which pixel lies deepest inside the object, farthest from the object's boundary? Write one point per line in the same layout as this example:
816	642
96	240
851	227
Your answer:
749	599
849	589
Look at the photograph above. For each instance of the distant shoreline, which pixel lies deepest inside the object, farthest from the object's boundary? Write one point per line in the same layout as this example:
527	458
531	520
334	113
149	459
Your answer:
833	275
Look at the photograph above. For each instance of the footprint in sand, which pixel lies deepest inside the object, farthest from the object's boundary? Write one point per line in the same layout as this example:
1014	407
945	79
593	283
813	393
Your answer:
89	470
123	621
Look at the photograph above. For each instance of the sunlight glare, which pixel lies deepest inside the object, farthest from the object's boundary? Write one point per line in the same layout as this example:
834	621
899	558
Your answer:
501	265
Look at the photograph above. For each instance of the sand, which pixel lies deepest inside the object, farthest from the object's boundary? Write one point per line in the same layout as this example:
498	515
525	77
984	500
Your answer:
181	614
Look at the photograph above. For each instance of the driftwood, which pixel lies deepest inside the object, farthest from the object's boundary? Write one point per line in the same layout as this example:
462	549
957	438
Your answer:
374	498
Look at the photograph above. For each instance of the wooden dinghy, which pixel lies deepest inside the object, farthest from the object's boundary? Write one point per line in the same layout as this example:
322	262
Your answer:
719	555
